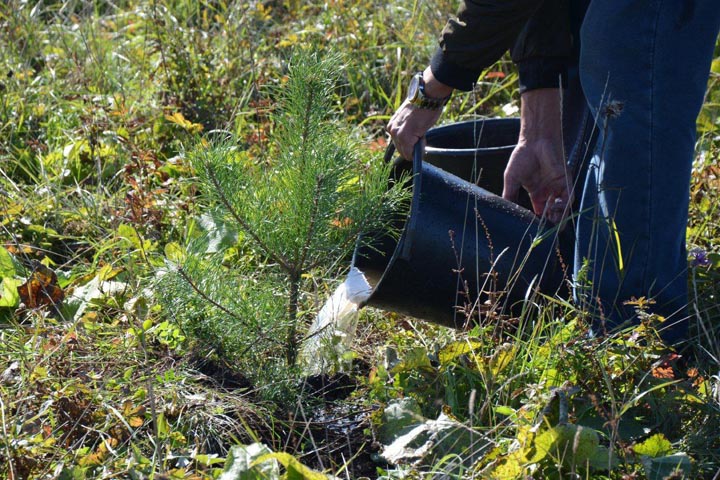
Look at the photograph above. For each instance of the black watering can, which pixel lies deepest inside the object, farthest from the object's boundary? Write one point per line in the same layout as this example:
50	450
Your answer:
462	246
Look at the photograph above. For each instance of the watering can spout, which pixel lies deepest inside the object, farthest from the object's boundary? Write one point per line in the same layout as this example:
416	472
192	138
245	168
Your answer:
464	250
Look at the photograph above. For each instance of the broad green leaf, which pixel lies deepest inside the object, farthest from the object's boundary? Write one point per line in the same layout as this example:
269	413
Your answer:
348	184
175	253
295	469
208	460
107	272
569	443
9	296
72	473
7	268
502	358
39	373
604	459
9	211
131	236
504	410
242	464
399	417
663	467
542	445
415	359
513	466
715	66
42	230
93	292
655	446
163	427
552	378
71	150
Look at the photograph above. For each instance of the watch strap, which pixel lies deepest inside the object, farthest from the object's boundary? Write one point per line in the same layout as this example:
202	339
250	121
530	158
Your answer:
422	100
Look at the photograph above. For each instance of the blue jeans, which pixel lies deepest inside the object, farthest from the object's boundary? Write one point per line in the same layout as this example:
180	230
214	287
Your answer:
641	78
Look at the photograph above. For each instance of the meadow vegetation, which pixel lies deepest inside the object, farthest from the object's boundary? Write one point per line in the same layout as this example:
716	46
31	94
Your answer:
181	186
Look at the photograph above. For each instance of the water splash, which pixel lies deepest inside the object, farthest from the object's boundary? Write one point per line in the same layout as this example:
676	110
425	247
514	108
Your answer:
333	330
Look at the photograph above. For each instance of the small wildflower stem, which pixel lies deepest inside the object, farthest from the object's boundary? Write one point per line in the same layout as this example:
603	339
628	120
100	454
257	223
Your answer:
5	435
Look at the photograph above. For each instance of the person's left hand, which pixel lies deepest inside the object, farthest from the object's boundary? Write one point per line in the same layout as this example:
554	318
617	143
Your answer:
537	164
537	167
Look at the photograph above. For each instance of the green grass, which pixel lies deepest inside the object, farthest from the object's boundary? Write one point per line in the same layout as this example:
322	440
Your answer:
103	107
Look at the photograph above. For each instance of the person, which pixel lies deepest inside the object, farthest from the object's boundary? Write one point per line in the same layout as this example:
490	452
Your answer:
610	92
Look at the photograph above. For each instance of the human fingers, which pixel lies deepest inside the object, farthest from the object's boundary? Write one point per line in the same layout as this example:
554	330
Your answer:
556	208
511	187
404	142
562	206
557	201
400	134
408	125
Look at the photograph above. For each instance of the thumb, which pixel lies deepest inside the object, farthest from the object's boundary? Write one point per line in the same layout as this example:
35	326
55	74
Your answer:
511	188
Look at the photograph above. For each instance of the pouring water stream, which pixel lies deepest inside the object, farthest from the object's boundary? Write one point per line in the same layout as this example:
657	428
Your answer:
334	327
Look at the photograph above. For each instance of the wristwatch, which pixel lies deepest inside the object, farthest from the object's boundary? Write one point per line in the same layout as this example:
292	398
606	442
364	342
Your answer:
416	95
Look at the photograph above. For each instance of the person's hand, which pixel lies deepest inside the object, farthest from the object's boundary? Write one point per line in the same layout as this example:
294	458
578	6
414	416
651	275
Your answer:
534	166
409	123
408	126
537	164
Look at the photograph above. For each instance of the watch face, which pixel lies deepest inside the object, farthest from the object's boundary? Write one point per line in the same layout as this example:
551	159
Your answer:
414	88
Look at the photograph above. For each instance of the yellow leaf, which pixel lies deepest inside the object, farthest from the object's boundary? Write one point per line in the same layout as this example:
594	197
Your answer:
135	422
715	65
289	41
456	349
292	465
179	119
502	358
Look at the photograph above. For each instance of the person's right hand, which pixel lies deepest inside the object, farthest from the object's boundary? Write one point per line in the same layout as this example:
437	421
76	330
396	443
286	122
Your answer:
409	123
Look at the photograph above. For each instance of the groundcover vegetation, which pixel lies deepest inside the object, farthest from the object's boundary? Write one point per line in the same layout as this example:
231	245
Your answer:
181	187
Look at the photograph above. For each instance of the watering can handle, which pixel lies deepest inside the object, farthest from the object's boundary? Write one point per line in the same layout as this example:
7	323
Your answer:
389	152
409	234
418	152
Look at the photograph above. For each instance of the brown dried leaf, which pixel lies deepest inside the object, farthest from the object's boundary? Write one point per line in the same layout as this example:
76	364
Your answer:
41	288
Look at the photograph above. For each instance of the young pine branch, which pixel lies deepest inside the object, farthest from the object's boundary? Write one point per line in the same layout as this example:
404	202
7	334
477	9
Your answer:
286	266
184	275
306	124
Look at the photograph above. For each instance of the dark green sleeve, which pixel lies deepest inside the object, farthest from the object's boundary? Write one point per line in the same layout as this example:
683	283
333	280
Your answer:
484	30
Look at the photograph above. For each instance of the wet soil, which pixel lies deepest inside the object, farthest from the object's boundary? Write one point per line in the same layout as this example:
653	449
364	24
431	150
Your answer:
328	428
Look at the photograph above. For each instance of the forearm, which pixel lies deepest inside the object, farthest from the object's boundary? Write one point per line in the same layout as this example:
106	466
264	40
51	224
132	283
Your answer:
433	87
540	115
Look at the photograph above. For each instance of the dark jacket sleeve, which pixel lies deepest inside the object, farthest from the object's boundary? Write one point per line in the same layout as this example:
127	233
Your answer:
543	49
484	30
